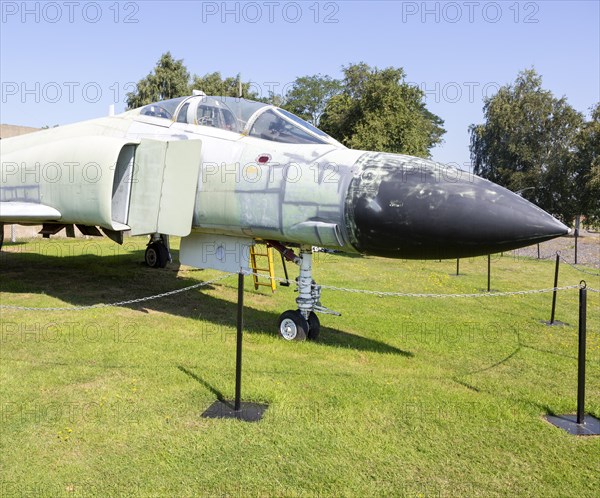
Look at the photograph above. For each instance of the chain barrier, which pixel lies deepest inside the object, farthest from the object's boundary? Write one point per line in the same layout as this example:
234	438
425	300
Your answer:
481	294
578	269
328	287
414	294
121	303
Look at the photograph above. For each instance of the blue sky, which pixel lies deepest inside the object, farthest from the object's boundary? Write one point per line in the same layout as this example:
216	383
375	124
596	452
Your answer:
62	62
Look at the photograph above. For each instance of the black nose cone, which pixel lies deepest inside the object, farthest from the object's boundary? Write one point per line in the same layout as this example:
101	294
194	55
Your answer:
405	207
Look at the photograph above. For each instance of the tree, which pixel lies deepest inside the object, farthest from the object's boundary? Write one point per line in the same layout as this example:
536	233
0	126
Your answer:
586	164
214	84
309	95
378	110
170	79
526	144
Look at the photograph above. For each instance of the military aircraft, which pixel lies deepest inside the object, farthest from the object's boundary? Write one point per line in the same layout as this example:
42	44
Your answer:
224	172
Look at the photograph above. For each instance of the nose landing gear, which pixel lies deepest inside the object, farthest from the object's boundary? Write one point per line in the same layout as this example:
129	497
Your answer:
303	323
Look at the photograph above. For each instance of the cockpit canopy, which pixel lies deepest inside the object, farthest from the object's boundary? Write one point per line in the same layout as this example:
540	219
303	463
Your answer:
239	115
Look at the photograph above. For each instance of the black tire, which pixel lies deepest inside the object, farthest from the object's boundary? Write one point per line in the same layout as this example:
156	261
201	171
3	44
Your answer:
157	255
293	326
314	326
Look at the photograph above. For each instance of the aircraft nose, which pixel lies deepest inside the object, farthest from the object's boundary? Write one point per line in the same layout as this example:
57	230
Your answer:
405	207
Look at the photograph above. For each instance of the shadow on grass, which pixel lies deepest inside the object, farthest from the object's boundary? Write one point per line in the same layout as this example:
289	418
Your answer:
89	279
218	394
542	407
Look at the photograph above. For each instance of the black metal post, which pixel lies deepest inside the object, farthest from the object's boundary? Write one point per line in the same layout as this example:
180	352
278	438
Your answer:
538	248
579	424
457	266
581	355
251	412
238	354
554	292
489	270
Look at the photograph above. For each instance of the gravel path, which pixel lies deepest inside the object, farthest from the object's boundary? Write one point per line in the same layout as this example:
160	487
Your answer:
588	249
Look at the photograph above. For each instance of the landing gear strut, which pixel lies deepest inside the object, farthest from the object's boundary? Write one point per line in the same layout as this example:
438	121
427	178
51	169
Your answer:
303	323
157	253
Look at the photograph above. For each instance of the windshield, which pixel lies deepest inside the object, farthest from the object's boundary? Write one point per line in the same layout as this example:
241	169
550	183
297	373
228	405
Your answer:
301	122
271	126
245	110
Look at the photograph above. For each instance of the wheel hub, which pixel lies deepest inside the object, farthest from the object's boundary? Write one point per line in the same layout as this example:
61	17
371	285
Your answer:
151	257
288	329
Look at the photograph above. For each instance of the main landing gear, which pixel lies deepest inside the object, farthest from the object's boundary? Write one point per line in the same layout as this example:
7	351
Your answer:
157	253
303	323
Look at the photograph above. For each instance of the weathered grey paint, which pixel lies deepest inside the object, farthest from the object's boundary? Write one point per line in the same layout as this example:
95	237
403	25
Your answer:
296	202
72	175
307	194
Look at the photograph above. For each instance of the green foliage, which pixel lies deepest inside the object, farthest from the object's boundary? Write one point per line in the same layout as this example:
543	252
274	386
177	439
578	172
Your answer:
169	79
378	110
586	164
309	95
526	143
214	84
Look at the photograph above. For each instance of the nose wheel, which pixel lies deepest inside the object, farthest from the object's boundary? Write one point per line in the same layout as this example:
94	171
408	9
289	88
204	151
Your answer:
294	327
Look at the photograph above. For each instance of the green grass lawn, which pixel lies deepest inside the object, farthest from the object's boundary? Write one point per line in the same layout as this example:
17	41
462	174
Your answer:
400	396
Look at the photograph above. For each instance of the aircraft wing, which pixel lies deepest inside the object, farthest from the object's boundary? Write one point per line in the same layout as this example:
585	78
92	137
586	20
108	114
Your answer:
24	212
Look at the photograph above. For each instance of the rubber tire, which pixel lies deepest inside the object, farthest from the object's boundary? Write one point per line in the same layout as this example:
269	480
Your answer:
314	326
299	323
157	255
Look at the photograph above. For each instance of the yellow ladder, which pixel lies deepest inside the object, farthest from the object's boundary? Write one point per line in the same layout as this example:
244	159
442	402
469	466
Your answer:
254	255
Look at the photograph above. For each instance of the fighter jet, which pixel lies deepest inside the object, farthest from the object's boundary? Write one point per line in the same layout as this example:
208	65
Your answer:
224	173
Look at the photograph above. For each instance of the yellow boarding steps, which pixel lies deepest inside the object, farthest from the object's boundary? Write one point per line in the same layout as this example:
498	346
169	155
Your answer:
257	272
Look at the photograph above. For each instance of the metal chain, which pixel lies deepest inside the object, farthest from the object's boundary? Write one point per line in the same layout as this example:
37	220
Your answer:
120	303
482	294
329	287
579	269
413	294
